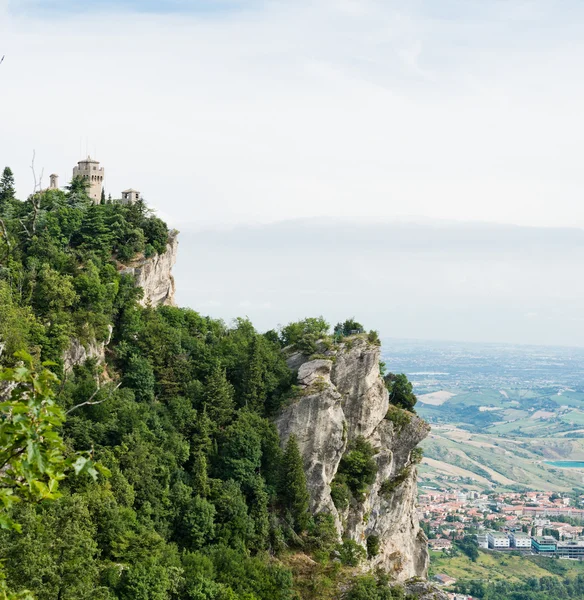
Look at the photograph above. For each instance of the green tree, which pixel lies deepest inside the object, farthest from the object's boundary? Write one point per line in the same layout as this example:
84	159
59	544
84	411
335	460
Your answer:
218	398
254	389
140	377
7	191
293	489
358	467
33	456
400	391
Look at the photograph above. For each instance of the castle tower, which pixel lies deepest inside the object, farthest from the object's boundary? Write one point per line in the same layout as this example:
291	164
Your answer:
130	196
90	170
54	185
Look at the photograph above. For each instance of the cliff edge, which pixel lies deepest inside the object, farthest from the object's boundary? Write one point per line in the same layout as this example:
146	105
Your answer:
154	275
342	399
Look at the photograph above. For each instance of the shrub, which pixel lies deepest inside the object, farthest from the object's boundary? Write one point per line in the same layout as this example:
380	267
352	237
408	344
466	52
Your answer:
349	327
358	467
373	338
351	553
340	493
372	546
398	416
389	485
416	455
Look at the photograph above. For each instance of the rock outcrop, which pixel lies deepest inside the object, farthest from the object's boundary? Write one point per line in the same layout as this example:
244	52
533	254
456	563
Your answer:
154	275
77	352
343	397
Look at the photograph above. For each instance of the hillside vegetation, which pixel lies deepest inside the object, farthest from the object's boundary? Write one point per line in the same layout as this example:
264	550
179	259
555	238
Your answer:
195	500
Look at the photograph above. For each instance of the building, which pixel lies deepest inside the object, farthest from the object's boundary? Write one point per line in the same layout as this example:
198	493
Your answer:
520	540
130	196
498	540
573	549
54	178
444	579
483	540
544	544
440	544
90	170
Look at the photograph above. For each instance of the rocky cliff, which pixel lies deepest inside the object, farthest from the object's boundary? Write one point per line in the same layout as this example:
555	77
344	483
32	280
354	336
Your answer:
154	274
342	397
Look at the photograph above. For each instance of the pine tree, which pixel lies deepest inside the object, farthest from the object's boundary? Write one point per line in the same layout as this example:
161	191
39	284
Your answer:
254	388
219	398
7	191
200	482
293	488
102	196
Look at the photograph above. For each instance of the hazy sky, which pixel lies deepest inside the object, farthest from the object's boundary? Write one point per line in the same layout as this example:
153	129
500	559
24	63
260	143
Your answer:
230	114
437	280
248	111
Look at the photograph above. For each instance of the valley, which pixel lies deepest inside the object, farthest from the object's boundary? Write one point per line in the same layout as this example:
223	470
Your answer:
503	417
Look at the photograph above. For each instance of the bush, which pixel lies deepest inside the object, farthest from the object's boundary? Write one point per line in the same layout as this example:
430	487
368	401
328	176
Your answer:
372	546
358	467
390	485
373	338
349	327
351	553
398	416
340	493
416	455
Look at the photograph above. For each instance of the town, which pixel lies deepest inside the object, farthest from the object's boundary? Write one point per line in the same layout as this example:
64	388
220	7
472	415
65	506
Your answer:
535	522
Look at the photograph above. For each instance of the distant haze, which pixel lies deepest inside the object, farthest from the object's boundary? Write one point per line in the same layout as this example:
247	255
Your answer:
431	280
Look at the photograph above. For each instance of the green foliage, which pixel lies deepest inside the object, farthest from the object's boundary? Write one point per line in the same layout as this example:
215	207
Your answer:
351	553
417	455
372	546
340	493
373	338
400	391
398	416
469	545
293	490
368	587
200	495
358	467
32	453
348	327
390	485
304	334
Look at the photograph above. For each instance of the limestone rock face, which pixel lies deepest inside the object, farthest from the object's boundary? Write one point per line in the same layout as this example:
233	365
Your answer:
77	352
154	275
339	400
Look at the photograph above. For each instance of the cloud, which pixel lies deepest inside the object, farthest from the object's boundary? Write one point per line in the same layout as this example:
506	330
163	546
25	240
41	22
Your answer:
266	111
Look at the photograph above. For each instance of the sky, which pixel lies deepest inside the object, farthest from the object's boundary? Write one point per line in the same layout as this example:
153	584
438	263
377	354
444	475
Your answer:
231	112
246	115
436	280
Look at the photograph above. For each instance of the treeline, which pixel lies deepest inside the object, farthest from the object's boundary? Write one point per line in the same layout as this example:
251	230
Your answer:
200	501
543	588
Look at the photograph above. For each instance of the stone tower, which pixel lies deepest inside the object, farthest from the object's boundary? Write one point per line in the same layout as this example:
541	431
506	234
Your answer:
90	170
54	185
130	196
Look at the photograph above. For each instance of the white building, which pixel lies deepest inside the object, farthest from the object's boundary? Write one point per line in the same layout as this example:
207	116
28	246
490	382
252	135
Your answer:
483	540
498	540
519	539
